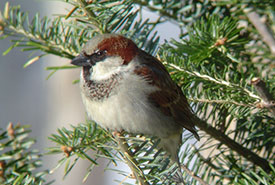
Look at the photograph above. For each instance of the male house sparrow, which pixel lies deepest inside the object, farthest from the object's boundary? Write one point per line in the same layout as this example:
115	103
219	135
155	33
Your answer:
125	88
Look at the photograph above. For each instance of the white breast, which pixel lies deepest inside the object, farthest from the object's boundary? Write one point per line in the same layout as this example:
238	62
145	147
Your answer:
129	109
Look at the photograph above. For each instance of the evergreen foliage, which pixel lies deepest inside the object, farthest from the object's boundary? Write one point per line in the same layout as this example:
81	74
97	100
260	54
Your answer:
222	60
18	160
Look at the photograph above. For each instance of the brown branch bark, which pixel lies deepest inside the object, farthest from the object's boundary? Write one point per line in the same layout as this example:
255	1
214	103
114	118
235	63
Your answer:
268	100
263	30
191	173
131	162
230	143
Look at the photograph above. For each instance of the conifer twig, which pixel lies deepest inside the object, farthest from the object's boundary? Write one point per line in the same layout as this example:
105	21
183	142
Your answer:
128	157
161	11
48	45
263	92
255	19
90	14
192	174
221	102
215	80
230	143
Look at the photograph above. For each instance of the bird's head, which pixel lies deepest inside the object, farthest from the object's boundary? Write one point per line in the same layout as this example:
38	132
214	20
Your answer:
106	54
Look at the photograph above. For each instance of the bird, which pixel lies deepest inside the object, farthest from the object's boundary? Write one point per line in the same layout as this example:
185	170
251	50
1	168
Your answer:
124	88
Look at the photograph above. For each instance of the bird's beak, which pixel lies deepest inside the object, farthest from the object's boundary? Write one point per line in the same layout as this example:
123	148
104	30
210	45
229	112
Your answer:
81	60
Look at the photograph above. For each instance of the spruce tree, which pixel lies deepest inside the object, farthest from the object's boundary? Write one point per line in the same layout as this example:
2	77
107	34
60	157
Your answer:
223	60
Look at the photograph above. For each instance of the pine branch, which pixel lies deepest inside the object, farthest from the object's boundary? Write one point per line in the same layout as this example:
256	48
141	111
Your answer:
267	36
267	100
221	102
179	12
162	11
19	162
129	158
224	139
218	61
191	173
91	15
215	80
37	35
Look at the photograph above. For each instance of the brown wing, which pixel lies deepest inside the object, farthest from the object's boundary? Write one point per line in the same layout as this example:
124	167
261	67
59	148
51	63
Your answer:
169	99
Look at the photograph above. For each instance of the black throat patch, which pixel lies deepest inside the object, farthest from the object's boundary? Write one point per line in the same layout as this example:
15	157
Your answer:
99	90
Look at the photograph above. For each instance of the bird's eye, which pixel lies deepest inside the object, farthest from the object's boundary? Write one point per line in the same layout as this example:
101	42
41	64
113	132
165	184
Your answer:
98	55
100	52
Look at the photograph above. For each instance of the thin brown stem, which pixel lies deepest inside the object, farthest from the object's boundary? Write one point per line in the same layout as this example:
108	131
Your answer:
263	92
90	14
128	157
230	143
263	30
192	174
221	102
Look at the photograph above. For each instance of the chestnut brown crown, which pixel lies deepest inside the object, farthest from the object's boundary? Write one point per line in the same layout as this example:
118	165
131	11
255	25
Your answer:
103	46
